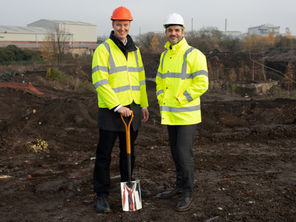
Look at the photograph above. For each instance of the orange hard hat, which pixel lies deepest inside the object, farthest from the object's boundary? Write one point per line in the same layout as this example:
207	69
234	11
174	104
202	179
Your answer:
122	13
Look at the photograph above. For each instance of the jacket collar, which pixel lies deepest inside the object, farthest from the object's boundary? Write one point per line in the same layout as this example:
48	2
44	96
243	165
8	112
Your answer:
178	46
129	47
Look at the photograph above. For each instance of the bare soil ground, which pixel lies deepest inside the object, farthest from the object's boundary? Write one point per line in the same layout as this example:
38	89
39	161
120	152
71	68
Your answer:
245	168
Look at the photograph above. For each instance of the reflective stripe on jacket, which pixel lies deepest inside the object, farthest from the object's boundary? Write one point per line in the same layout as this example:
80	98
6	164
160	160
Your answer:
117	80
181	79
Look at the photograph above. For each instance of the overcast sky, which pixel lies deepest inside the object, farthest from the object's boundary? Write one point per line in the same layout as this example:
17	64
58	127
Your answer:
150	15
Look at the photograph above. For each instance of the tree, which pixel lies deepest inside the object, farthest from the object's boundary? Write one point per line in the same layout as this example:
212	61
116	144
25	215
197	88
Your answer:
272	38
101	39
289	76
289	37
144	40
256	43
206	38
57	44
232	76
154	44
216	66
209	32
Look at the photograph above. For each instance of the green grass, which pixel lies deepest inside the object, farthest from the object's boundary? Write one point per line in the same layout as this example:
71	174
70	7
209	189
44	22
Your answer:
63	80
278	92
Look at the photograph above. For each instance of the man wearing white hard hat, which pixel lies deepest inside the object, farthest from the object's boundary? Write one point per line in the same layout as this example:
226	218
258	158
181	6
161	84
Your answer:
182	77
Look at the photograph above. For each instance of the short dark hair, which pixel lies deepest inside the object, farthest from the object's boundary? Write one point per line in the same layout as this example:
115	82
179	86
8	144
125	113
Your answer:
166	26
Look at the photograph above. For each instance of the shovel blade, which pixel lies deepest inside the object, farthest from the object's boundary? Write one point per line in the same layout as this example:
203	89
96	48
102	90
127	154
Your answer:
131	195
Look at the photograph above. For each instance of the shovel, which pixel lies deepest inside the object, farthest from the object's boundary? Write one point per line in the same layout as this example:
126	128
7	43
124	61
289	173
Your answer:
130	190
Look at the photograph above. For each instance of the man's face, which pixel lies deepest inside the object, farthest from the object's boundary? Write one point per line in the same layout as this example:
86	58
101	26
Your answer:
174	33
121	29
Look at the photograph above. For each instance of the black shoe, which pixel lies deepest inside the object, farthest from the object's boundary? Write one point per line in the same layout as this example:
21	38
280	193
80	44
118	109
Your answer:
176	192
184	204
145	193
102	204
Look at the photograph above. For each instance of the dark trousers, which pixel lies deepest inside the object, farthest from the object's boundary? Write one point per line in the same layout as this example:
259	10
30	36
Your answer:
181	142
103	159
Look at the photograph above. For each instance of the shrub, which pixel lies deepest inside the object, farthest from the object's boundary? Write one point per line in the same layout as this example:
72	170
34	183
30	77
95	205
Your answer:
232	75
54	74
11	54
6	55
38	147
86	57
61	79
233	87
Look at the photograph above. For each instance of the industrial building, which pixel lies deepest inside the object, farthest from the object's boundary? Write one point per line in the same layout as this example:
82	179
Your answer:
82	36
263	30
235	34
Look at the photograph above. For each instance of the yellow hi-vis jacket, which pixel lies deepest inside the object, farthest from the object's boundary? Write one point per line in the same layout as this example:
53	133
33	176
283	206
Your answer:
181	79
117	80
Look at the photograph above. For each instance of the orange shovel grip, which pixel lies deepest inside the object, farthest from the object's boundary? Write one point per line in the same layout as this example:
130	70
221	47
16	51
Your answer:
127	133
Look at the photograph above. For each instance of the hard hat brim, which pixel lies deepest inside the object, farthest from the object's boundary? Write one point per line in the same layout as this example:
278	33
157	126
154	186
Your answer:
115	19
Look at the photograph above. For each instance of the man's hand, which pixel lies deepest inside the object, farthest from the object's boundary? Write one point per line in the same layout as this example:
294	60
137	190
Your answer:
145	115
124	111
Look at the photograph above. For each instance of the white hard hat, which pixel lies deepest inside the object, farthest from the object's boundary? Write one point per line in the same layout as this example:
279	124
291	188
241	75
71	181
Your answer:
174	19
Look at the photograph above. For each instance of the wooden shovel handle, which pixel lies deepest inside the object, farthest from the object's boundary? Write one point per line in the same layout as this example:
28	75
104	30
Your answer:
127	133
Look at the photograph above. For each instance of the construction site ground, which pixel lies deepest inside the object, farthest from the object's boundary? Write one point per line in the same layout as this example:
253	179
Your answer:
244	153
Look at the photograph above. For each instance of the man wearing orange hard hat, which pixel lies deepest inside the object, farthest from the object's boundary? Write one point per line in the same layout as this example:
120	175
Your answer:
119	78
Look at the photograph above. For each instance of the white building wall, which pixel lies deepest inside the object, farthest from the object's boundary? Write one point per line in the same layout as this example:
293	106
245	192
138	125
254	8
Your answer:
27	37
22	37
276	29
254	31
82	33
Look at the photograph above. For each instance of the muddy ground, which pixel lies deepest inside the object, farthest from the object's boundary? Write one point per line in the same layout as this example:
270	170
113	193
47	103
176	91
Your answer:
245	165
